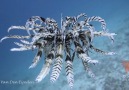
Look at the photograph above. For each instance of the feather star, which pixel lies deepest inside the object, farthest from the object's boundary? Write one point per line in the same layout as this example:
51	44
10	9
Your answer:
75	37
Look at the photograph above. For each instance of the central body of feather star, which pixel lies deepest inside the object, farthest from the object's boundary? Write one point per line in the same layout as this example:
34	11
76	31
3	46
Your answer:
74	38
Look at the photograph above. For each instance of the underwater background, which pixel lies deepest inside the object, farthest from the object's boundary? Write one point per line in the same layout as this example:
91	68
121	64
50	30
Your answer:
109	72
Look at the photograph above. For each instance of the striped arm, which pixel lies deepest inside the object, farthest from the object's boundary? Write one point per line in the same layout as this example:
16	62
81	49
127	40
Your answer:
45	70
16	27
69	72
81	15
82	54
19	44
102	33
87	59
25	42
56	69
99	19
100	51
21	49
37	58
88	70
15	36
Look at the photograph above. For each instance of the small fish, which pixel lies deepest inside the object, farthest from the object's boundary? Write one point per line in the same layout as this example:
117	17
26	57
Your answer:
126	66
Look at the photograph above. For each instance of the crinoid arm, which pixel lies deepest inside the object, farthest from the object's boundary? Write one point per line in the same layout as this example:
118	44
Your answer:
88	70
24	48
46	68
57	64
101	33
75	37
100	51
15	36
25	42
17	27
69	71
69	65
37	58
98	19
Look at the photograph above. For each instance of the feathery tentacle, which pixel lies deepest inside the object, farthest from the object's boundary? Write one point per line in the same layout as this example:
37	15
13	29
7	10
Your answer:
69	71
100	51
37	58
15	36
88	70
57	64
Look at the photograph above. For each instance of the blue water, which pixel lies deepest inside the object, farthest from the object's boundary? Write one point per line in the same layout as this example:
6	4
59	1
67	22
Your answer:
109	73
